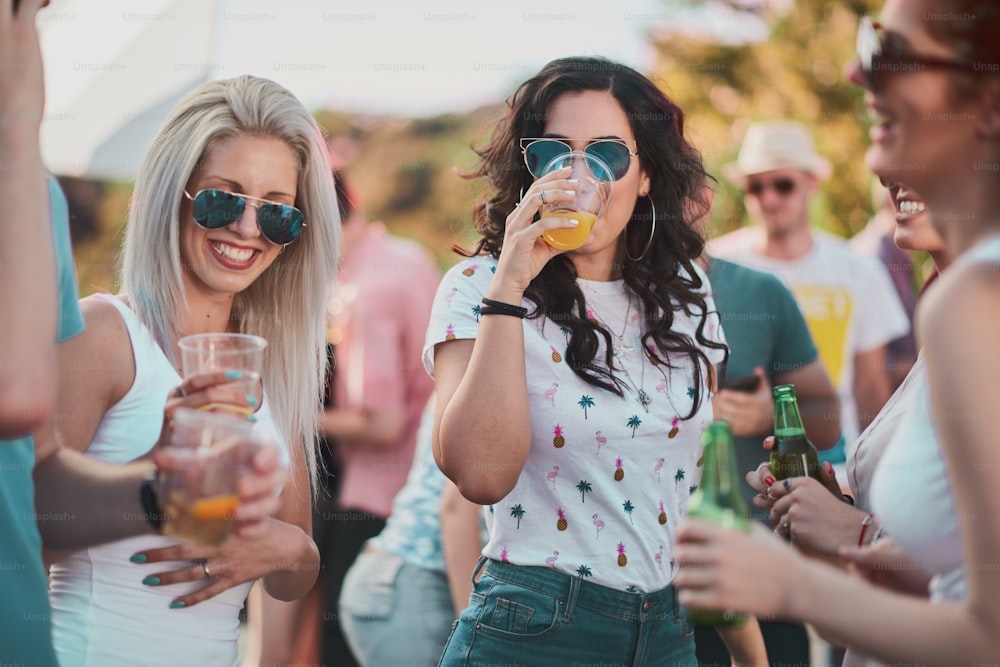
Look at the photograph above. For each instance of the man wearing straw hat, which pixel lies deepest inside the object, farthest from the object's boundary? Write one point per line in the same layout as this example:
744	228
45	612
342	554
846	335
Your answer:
848	300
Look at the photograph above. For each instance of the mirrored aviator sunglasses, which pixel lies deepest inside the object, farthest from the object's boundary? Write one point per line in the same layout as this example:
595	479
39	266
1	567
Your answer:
613	152
278	223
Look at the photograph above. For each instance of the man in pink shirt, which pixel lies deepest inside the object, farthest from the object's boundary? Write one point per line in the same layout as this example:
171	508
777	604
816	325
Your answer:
378	313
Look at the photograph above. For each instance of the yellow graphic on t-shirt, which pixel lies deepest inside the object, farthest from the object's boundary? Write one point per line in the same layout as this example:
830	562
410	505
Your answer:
827	310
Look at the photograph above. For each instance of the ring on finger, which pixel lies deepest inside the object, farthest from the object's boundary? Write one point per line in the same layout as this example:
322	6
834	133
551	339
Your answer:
204	566
762	464
541	196
180	391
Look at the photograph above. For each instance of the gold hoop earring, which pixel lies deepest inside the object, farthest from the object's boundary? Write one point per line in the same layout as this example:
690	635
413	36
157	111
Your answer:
649	242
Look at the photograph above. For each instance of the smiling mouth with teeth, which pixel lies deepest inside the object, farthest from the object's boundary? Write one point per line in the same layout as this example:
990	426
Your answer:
234	254
909	207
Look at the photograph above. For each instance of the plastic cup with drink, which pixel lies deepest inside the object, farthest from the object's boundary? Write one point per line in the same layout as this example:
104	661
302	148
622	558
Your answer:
240	354
588	204
200	491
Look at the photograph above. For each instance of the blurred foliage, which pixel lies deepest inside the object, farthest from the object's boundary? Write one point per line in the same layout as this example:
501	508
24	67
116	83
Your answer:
408	170
797	73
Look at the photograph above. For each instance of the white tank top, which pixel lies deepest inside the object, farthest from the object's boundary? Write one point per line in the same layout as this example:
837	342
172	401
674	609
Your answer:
911	490
102	614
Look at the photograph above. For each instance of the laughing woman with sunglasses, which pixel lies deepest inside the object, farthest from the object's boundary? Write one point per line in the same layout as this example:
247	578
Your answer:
930	70
573	386
233	228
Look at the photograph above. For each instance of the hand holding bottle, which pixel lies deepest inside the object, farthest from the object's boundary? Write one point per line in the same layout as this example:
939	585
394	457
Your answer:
793	455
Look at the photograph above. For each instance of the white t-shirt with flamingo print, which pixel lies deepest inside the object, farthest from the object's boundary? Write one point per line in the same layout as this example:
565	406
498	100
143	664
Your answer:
607	478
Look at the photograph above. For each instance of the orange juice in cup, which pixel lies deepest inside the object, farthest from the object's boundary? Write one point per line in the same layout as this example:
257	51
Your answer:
590	199
573	237
200	496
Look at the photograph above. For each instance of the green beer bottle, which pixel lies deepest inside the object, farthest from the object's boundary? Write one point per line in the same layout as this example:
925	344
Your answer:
718	499
793	455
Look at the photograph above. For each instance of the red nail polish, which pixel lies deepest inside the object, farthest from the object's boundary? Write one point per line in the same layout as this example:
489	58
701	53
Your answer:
769	480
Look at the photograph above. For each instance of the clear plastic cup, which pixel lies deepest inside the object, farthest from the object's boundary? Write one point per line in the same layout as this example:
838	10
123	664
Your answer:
589	204
200	495
215	352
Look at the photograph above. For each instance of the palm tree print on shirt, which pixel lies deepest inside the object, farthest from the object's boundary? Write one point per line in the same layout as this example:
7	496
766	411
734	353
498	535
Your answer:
517	512
584	488
633	423
678	477
585	402
629	508
583	572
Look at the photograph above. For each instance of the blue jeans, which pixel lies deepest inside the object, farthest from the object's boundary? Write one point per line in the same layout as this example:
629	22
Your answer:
521	615
393	612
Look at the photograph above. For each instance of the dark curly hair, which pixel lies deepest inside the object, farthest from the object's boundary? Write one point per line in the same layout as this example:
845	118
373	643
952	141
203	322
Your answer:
664	278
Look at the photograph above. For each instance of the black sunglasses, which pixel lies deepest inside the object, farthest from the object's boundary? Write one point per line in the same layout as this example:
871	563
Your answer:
783	186
278	223
614	153
881	54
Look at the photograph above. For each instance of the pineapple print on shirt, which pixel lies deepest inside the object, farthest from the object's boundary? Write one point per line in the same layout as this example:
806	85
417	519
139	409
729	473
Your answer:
627	493
558	439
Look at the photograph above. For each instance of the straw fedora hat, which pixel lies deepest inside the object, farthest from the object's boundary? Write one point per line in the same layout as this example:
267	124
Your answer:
771	145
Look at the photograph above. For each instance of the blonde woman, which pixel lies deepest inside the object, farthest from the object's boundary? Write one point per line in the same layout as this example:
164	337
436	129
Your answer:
233	228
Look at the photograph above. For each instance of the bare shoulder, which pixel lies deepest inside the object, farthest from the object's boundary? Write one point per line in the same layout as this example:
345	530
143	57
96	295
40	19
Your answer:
103	352
964	297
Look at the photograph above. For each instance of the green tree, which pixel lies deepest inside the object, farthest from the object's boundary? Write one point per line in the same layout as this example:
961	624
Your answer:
781	60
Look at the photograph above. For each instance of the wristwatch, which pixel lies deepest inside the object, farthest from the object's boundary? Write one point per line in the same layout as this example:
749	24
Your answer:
151	502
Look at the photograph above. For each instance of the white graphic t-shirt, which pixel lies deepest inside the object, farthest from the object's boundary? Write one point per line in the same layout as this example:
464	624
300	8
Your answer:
607	478
848	300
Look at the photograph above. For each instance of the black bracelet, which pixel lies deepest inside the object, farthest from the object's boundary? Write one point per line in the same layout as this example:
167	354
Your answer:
491	307
150	502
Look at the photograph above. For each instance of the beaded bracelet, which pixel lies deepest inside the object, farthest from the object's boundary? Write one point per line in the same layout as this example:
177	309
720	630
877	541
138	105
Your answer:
491	307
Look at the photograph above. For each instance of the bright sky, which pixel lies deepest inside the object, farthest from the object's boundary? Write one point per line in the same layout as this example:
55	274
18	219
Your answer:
109	61
385	56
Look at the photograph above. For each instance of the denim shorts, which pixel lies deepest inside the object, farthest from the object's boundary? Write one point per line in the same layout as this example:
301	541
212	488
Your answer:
395	613
520	615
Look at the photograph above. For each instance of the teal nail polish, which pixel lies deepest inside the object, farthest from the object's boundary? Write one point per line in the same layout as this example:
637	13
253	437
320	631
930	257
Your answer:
234	375
177	604
251	399
252	418
151	581
138	558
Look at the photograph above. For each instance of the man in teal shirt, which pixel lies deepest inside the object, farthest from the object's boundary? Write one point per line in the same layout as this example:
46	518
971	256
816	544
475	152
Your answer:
769	344
25	625
32	316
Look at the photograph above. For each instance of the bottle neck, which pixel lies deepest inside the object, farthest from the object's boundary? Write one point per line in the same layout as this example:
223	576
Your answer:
719	474
787	420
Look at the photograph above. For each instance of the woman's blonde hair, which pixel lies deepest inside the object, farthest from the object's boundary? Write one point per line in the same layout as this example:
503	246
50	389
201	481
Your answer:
286	304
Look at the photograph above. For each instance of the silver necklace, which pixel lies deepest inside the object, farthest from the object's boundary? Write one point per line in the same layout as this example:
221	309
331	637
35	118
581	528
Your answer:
621	350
